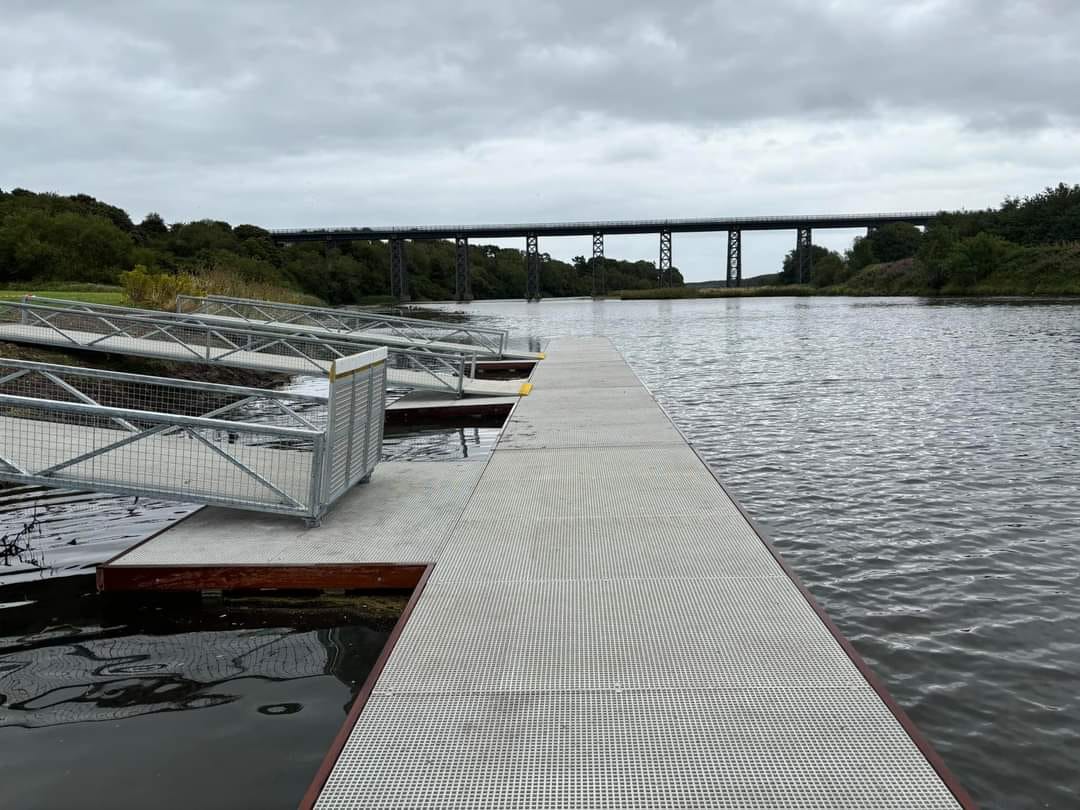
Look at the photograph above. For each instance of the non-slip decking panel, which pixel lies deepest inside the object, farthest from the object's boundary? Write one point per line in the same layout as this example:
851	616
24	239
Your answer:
594	548
605	629
615	634
403	515
743	749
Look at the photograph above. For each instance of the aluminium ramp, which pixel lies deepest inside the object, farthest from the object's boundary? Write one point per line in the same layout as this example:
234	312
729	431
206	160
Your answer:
172	341
352	324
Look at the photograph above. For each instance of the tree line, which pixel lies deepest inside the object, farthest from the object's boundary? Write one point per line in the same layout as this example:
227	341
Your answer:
48	238
1025	246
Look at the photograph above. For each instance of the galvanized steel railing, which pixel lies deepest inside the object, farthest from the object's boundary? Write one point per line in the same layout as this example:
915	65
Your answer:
193	338
417	331
247	448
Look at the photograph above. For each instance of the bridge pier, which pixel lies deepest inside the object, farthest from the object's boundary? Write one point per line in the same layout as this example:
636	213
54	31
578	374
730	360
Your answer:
734	258
599	285
462	279
664	269
532	267
804	254
399	274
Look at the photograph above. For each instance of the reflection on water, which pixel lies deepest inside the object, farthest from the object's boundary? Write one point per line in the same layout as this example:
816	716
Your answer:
232	703
439	444
918	463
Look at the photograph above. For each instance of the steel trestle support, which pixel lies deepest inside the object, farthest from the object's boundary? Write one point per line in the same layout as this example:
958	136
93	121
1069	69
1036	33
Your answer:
663	274
532	267
734	259
399	274
462	280
804	254
599	284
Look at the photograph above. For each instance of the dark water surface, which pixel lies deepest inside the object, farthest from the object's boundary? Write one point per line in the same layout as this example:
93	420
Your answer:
919	465
176	702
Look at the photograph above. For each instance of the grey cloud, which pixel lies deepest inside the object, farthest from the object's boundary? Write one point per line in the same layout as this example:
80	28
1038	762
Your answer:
227	81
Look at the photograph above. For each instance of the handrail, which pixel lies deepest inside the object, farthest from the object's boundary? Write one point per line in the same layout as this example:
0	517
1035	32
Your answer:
297	350
349	320
62	426
170	419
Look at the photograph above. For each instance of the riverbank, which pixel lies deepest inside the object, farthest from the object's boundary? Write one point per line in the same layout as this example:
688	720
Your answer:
1038	271
87	293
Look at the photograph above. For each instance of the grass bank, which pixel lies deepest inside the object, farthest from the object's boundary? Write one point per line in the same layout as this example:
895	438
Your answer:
664	293
88	293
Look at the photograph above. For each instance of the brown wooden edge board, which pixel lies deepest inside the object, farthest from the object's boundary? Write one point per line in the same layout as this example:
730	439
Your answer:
142	542
338	745
505	365
366	576
947	777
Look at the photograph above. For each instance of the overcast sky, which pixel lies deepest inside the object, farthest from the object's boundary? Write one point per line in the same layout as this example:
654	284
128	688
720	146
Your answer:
424	112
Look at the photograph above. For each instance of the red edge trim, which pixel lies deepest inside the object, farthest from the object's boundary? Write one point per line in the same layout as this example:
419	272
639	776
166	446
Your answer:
336	747
932	757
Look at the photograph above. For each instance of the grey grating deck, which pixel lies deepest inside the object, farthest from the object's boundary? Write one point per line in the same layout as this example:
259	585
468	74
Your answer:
603	629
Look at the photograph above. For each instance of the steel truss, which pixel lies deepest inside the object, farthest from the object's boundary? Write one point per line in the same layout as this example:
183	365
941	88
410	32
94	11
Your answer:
804	255
462	279
219	341
599	282
399	271
532	267
734	259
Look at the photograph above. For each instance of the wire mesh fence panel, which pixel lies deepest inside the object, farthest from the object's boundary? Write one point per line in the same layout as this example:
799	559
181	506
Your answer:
191	441
355	429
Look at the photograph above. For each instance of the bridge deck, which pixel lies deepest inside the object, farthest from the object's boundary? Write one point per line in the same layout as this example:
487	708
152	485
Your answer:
259	361
602	628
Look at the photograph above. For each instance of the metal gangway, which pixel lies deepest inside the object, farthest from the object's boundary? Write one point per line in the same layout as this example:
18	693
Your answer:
387	330
192	441
192	338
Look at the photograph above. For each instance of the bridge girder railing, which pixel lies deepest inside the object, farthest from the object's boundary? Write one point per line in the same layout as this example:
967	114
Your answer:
586	228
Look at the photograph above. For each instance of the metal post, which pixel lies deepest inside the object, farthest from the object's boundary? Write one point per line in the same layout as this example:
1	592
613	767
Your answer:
804	254
599	286
399	274
532	267
664	270
734	258
463	283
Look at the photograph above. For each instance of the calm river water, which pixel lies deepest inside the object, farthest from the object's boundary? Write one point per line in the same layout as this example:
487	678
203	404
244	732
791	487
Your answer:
919	466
